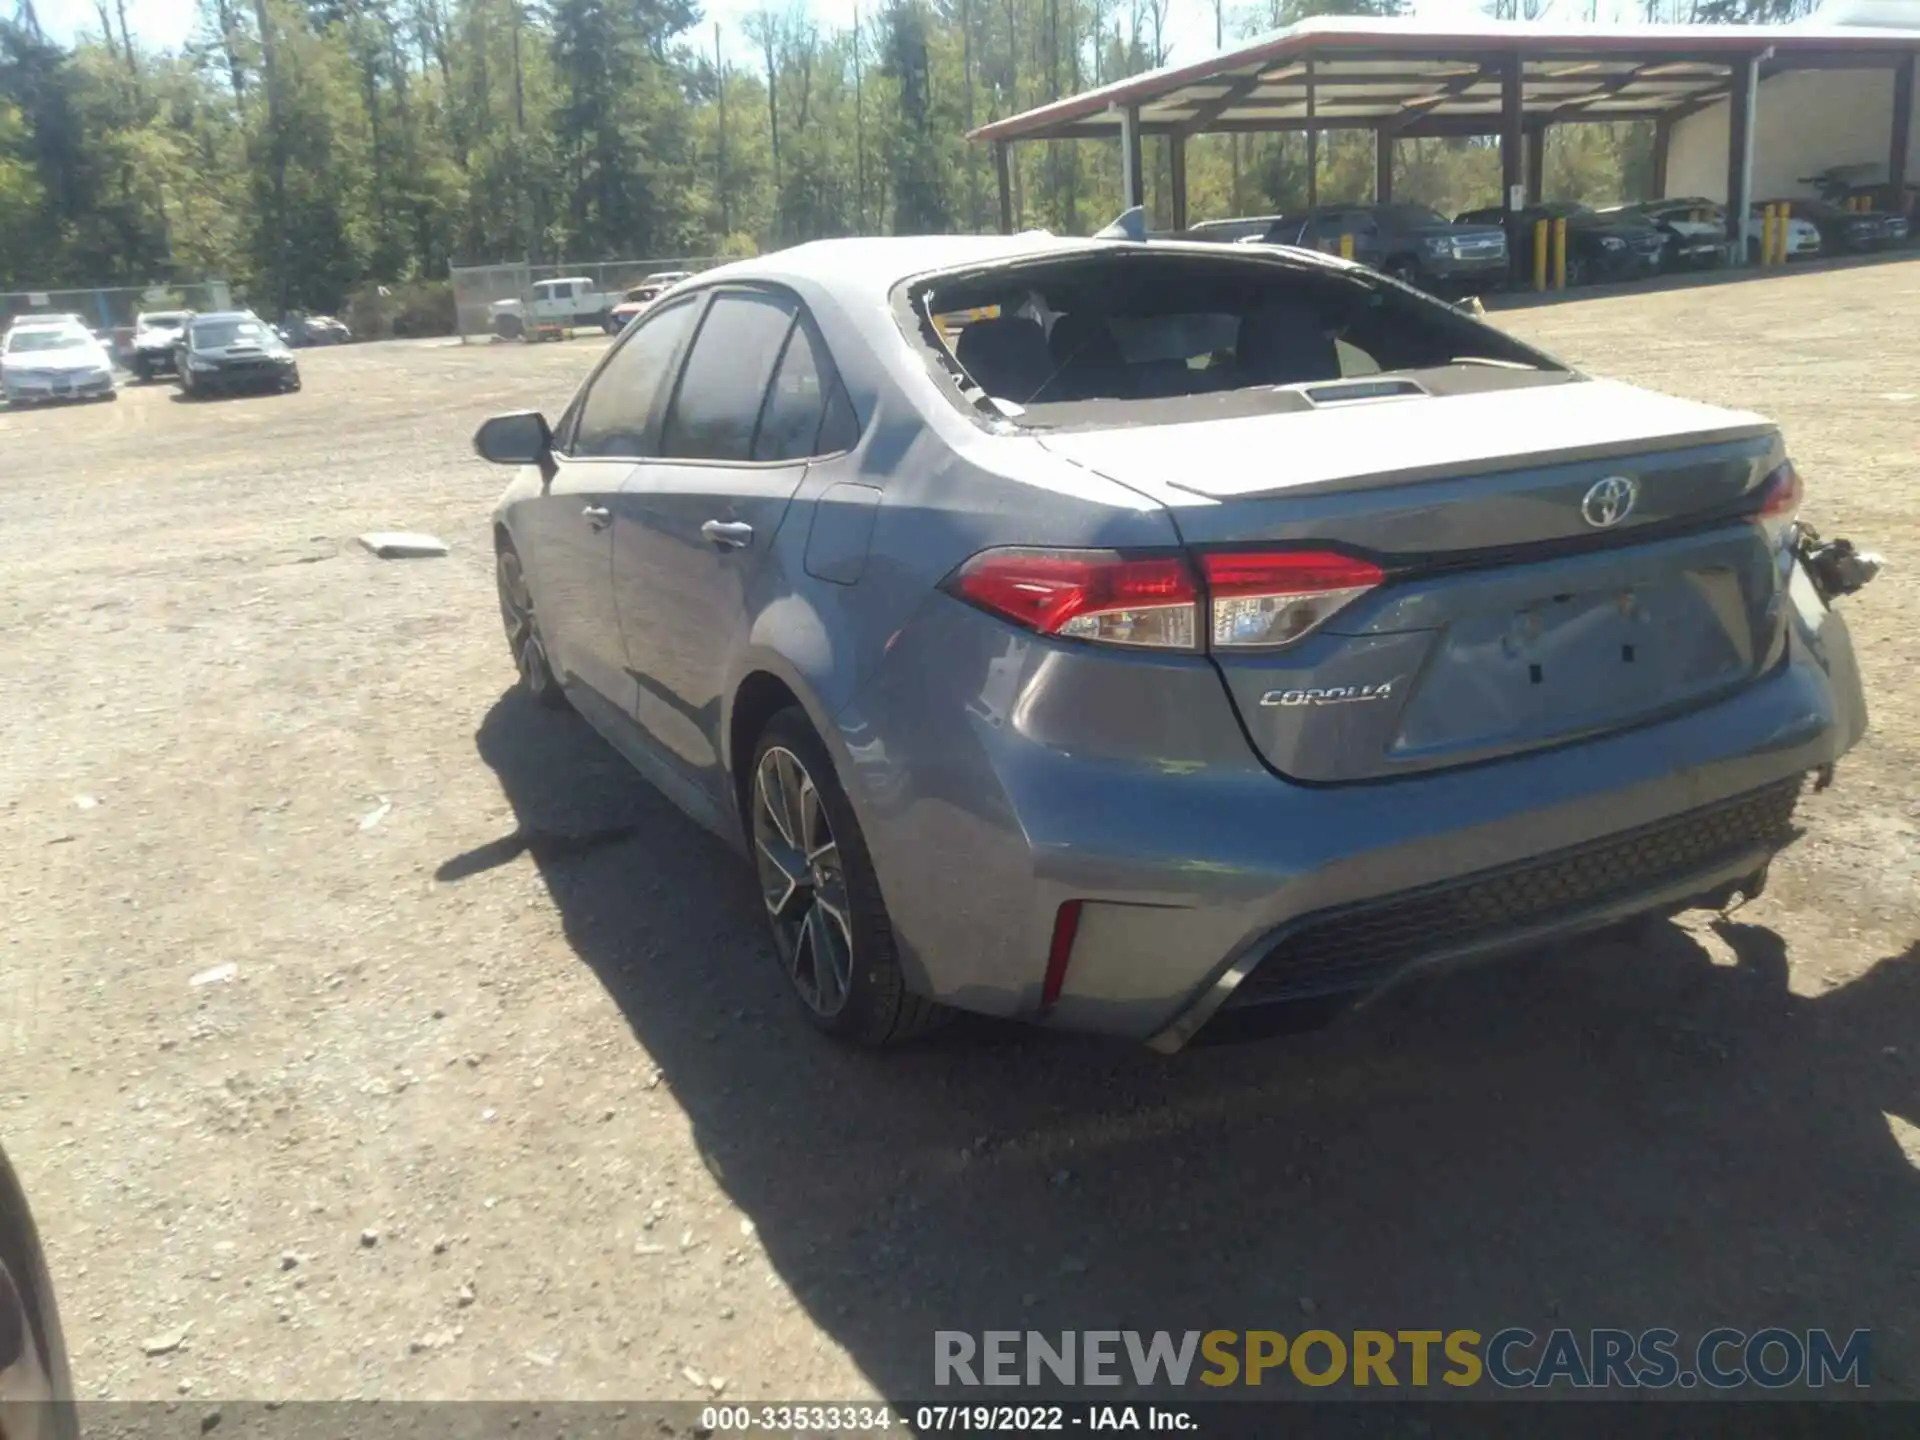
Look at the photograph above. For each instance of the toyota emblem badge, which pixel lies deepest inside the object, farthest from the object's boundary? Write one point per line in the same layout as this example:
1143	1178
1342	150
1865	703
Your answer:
1609	502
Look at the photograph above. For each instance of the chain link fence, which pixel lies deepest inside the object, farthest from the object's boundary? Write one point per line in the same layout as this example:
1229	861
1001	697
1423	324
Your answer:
111	310
481	293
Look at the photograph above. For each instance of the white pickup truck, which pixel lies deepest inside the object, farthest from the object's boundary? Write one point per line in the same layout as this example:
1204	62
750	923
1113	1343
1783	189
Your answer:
550	306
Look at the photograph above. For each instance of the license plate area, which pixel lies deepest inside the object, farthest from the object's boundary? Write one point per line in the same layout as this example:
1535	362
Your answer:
1571	662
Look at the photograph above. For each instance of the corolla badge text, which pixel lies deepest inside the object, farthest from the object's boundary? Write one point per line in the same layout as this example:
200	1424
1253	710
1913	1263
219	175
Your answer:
1329	694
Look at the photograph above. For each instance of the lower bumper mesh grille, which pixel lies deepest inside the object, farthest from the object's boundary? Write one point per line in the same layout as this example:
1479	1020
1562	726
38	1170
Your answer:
1357	947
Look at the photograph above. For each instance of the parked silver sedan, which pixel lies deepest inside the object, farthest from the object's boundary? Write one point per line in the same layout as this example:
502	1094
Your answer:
1147	636
54	362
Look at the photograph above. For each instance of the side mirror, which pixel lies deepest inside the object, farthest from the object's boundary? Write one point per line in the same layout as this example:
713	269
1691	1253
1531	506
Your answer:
520	438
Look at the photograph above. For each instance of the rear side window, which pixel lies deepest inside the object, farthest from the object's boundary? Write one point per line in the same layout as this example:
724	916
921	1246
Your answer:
806	412
622	399
725	380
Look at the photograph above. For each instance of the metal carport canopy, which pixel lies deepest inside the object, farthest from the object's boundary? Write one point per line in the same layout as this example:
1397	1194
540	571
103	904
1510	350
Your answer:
1406	78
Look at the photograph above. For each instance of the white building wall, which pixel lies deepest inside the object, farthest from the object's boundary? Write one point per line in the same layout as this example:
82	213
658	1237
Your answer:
1805	121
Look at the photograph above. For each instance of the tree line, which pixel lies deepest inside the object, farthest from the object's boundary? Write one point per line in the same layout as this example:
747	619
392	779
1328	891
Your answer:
305	148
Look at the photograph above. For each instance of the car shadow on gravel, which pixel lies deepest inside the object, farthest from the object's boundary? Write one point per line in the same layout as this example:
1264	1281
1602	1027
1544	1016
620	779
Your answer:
1629	1133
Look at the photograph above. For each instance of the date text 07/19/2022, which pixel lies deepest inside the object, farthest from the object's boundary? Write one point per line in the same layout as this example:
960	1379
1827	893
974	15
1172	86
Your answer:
847	1420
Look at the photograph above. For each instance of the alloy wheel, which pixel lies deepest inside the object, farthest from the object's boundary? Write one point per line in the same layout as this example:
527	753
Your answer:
523	632
802	882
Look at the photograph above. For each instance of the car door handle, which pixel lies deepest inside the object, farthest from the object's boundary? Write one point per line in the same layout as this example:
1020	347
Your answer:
598	516
728	534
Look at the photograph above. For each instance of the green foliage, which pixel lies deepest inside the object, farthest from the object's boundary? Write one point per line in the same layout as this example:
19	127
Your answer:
420	307
312	151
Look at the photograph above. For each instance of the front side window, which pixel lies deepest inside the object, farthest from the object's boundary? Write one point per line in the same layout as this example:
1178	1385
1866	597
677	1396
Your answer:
717	406
621	400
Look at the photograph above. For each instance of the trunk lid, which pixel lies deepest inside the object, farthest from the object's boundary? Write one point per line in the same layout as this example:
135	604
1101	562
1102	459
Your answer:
1529	598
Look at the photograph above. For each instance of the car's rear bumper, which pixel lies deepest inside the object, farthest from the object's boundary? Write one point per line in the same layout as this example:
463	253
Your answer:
1067	778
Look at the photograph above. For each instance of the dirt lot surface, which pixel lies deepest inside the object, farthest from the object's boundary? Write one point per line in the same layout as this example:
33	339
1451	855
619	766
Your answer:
326	1080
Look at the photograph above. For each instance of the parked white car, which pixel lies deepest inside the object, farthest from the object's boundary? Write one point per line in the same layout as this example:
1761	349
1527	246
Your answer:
155	334
1803	236
559	304
55	362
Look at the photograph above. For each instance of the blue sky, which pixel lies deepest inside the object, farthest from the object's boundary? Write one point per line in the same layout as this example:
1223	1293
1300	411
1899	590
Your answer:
167	23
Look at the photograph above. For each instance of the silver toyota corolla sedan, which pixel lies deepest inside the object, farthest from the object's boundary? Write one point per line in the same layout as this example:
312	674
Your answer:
1138	637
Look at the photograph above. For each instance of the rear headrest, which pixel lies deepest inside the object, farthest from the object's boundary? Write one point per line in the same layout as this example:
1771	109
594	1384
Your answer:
1007	356
1087	359
1074	332
1286	343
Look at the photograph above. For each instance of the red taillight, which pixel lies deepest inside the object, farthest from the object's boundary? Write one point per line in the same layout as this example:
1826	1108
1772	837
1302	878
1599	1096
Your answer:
1780	497
1782	493
1066	925
1269	598
1100	595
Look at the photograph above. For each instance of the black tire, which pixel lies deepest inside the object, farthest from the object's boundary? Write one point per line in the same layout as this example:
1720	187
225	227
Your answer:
867	1001
34	1352
142	371
524	639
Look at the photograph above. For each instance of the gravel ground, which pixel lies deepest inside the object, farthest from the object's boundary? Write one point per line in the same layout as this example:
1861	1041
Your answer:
334	1070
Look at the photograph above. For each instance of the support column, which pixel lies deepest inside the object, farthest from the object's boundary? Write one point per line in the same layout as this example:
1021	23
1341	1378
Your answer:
1662	147
1382	166
1536	163
1177	176
1746	89
1512	131
1131	188
1313	145
1897	146
1002	175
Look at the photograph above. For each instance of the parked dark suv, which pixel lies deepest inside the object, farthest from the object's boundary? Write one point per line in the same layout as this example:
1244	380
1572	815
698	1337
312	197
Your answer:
36	1391
1409	242
1619	246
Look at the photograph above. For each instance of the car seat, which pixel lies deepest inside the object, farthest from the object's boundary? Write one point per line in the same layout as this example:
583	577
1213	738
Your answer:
1007	357
1285	343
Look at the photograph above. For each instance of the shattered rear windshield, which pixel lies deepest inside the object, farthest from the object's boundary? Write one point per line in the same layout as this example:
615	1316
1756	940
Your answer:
1135	335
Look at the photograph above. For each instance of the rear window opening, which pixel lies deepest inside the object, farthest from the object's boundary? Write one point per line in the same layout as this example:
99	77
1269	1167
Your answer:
1144	336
